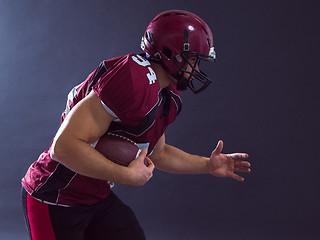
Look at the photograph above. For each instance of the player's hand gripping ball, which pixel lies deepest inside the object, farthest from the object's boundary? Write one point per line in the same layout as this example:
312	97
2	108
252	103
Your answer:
118	149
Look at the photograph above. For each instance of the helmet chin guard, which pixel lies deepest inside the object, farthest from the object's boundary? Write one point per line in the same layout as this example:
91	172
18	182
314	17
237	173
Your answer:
172	38
197	80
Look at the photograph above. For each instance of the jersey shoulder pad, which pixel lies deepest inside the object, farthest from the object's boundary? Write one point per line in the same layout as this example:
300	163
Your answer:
126	88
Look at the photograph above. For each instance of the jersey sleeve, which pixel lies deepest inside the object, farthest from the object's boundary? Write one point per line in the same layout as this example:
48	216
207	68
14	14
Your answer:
125	90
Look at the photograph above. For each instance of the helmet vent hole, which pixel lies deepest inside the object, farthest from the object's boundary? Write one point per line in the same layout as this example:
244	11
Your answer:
204	29
156	19
167	52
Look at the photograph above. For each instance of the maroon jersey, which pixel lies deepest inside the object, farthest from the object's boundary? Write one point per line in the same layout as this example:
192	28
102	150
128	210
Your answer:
128	89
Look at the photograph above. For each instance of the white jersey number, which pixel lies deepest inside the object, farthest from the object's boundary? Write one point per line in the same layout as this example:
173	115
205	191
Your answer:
145	63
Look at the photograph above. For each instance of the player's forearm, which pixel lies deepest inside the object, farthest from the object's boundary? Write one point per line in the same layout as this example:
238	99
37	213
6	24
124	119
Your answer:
79	157
174	160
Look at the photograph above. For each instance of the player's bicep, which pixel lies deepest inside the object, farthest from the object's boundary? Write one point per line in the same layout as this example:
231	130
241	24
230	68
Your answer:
87	121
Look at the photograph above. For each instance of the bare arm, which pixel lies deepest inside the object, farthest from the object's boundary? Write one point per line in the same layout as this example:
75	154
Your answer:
86	123
174	160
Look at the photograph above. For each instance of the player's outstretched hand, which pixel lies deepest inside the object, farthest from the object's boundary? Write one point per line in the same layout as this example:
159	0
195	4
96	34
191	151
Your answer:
225	165
138	171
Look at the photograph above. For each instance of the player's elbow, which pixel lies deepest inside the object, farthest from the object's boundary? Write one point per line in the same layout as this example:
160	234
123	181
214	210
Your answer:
54	150
57	150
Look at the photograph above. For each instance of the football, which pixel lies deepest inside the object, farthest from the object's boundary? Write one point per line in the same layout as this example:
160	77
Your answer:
118	149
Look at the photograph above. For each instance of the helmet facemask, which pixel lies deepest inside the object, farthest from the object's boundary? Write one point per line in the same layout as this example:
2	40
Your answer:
197	80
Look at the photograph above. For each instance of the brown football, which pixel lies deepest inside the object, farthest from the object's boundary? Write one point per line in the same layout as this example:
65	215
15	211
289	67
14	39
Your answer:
118	149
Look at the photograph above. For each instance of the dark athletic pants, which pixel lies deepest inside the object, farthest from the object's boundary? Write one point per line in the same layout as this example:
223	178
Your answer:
108	219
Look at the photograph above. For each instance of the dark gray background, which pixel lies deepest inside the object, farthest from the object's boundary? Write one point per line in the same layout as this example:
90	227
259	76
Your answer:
264	101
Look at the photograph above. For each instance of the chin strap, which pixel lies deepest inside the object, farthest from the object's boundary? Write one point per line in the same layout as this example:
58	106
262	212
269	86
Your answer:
182	82
186	44
157	54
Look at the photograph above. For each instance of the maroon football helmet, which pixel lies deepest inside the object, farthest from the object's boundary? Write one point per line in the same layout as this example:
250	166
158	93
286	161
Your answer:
175	36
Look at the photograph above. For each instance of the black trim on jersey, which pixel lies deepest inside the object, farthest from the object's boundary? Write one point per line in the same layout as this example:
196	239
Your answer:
143	126
166	104
178	102
59	179
101	70
164	100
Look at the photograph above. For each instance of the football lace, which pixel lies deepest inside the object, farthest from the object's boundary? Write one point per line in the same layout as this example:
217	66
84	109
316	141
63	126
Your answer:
122	137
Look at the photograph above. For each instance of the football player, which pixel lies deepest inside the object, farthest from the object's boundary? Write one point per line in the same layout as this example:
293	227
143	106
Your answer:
66	192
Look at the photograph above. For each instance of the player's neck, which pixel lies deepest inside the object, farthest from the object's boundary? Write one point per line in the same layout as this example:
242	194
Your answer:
164	78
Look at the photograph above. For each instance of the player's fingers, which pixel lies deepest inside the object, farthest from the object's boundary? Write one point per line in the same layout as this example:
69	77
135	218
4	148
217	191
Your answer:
150	166
242	166
238	163
143	154
235	156
148	176
149	163
242	169
237	177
